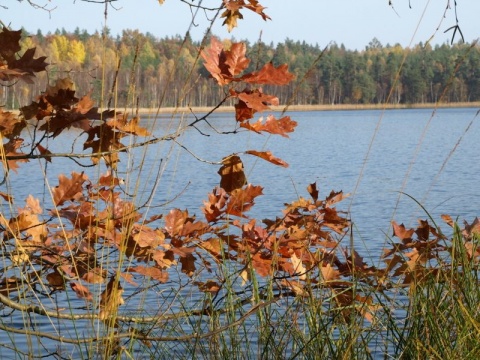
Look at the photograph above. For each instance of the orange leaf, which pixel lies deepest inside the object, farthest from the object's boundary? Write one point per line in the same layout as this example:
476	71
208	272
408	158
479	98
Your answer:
128	278
164	259
109	179
68	189
243	111
257	100
297	287
235	58
268	156
174	221
214	58
270	74
93	277
273	126
28	64
55	279
131	127
262	264
214	207
257	8
241	200
103	139
145	236
213	246
335	197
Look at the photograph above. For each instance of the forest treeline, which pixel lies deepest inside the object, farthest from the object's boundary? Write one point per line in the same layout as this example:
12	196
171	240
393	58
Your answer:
135	69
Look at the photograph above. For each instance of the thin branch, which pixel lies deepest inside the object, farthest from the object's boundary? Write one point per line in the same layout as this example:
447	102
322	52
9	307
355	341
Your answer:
195	156
92	155
133	334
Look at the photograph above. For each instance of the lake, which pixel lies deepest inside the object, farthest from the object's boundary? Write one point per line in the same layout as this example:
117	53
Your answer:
374	155
370	154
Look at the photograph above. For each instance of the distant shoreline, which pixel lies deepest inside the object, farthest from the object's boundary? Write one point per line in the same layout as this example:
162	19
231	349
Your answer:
227	109
204	109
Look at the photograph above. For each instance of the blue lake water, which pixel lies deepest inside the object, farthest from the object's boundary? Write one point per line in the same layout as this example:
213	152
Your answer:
374	155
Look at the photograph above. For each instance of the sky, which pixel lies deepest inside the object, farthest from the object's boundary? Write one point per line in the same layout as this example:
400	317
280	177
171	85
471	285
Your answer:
353	23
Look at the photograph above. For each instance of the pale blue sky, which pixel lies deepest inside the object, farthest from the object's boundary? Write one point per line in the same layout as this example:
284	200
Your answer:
351	22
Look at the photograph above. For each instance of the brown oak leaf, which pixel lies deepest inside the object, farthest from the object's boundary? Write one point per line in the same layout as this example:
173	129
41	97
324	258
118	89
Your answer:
11	152
236	59
28	64
82	291
130	127
257	100
69	189
104	142
9	43
231	173
10	124
214	57
243	111
402	233
241	200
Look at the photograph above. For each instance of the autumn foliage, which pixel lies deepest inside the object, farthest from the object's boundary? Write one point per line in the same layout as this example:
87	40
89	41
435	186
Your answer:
96	244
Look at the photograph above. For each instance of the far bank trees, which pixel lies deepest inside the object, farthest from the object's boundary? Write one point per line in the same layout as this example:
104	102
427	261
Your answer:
332	75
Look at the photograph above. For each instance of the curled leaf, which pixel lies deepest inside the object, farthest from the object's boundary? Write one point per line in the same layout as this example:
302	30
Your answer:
268	156
312	190
232	175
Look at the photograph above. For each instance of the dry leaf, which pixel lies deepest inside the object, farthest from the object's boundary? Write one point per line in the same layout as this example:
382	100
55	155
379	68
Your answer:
232	175
110	299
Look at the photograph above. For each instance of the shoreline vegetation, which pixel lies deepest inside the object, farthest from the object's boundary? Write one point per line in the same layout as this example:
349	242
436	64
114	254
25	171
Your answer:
324	107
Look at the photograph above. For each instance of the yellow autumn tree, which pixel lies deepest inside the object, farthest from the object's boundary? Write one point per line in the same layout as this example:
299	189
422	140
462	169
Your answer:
76	52
59	48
